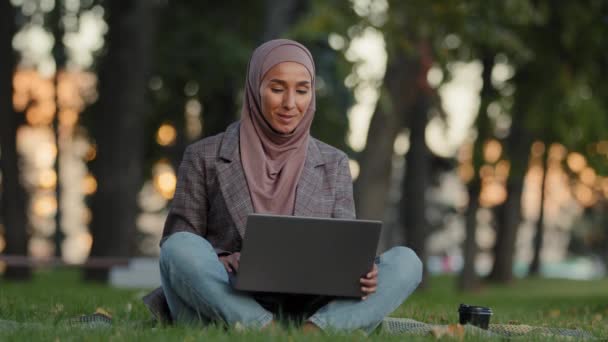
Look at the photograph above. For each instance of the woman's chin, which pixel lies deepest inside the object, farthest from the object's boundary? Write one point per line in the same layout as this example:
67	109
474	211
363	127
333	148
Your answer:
283	129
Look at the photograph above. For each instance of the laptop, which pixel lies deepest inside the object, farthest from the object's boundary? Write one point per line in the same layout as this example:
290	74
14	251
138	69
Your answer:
306	255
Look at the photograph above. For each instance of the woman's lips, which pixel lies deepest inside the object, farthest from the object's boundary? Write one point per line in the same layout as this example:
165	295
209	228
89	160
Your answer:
284	118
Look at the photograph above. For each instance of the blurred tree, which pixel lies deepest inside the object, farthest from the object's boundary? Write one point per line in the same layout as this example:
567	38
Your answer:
201	55
280	16
117	131
375	160
578	55
56	23
482	32
550	102
537	242
13	194
413	32
509	213
313	28
201	60
468	279
416	179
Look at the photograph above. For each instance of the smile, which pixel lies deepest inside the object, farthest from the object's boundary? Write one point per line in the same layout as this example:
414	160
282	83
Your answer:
285	118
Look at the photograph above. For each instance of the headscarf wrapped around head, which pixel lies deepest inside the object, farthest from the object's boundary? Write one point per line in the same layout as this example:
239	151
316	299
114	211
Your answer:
273	161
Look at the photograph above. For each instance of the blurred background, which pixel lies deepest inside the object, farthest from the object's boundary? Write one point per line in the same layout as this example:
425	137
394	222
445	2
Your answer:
477	130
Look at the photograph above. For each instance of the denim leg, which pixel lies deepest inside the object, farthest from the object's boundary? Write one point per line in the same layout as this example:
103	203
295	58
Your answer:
196	285
399	274
180	311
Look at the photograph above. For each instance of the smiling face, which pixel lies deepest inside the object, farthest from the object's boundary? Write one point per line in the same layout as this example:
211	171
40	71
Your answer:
286	93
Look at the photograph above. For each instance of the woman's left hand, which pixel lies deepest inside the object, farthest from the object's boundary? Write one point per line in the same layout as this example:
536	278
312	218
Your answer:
369	283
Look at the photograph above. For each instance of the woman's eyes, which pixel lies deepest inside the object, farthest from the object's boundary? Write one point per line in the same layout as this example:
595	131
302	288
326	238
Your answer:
280	90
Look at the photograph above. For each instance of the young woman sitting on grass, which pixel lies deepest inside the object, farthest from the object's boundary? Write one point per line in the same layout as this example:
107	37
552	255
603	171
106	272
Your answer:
267	163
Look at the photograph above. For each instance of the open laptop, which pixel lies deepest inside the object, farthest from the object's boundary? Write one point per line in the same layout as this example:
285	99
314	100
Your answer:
305	255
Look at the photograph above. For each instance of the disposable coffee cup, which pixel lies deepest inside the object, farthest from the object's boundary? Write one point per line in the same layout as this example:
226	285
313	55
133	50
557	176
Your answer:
478	316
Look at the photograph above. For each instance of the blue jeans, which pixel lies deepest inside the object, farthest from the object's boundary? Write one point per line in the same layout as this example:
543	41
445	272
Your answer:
196	286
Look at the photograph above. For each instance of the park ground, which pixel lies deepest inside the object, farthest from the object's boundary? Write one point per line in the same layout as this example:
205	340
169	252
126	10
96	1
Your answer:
53	297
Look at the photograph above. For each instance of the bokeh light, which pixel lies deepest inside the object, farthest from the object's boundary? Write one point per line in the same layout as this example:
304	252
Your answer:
492	194
537	149
557	152
465	153
76	247
492	151
466	172
87	216
588	176
576	162
44	205
354	168
89	185
166	134
45	155
41	113
91	153
164	179
486	172
40	247
47	179
584	195
402	143
501	172
68	117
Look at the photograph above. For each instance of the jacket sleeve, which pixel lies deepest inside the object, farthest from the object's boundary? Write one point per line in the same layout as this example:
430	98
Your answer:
188	212
344	206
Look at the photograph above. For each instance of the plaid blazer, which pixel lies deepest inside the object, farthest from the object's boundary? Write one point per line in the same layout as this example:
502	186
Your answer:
212	198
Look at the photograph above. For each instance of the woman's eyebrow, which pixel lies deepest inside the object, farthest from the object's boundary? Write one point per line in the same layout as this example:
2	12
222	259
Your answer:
275	80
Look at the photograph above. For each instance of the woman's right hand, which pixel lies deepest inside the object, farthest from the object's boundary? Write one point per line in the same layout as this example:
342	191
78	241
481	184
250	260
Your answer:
231	261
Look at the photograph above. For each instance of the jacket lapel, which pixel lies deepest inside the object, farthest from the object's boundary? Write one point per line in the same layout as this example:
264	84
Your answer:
232	179
233	183
310	181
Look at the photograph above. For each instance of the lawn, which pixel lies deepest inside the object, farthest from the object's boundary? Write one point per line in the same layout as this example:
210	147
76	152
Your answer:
54	296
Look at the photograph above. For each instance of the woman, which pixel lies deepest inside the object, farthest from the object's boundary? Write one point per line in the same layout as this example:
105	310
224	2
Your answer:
267	163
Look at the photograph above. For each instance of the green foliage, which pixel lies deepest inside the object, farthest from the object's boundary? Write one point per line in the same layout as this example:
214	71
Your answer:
203	45
557	51
209	44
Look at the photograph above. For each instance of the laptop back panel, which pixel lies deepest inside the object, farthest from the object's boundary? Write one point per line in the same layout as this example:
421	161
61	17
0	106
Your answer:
303	255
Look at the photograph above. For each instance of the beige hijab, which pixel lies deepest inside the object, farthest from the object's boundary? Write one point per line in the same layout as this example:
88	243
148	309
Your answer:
272	161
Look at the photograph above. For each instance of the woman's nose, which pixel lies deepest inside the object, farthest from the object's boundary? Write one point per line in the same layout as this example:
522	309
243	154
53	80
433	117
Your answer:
289	100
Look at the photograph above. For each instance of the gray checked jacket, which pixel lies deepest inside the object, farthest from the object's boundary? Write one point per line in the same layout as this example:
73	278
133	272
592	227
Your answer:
212	198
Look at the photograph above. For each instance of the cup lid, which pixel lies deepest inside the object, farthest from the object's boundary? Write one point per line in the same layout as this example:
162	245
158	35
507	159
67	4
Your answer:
474	309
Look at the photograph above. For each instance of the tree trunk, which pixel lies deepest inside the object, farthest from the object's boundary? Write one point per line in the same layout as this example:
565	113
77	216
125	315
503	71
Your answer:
540	224
468	277
13	194
413	202
60	58
604	224
371	187
509	213
509	218
375	161
118	129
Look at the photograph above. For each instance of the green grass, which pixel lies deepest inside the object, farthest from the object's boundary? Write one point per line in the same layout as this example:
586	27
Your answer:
54	296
